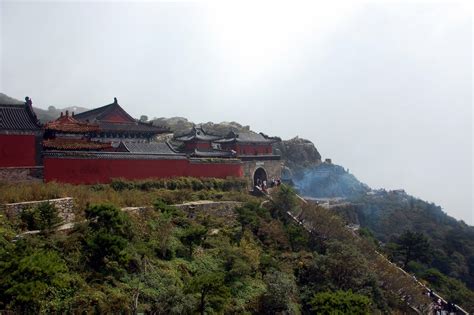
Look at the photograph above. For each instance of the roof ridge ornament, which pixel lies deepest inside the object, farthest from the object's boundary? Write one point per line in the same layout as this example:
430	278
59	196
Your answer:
115	100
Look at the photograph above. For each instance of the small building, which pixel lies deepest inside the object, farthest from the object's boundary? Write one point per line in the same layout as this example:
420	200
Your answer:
197	139
67	133
20	135
116	125
247	143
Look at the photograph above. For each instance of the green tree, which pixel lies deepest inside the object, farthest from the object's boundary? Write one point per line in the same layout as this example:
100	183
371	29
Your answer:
342	268
285	200
250	215
297	236
280	289
413	246
44	217
193	235
106	238
30	280
340	302
212	291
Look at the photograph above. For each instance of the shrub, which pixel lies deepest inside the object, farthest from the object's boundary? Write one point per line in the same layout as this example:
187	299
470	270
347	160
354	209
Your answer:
340	302
44	217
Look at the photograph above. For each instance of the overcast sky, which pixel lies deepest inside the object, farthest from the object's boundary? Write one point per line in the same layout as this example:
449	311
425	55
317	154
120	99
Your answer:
384	88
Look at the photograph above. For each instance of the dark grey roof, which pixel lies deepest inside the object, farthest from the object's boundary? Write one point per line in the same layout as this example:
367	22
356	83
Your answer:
213	153
149	148
98	114
246	137
128	125
111	155
197	133
18	117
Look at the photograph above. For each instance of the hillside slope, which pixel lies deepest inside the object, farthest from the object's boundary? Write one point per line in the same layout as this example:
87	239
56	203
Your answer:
163	259
389	214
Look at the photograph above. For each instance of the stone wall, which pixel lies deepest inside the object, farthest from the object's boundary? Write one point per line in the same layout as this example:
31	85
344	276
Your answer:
65	207
20	174
223	209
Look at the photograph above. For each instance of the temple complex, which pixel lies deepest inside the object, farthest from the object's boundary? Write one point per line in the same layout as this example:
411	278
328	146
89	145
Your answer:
101	144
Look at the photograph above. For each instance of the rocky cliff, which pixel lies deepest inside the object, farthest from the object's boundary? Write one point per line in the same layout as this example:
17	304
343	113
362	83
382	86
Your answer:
299	155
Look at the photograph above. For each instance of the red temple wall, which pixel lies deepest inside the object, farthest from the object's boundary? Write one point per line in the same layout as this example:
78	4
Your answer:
190	146
92	171
17	150
218	170
248	149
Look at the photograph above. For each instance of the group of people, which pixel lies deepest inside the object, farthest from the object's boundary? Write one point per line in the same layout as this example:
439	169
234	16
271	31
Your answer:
262	184
442	307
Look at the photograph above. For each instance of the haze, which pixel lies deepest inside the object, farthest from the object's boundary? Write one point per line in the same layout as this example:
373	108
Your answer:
383	88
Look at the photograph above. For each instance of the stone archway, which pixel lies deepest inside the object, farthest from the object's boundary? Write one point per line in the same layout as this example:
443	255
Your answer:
259	176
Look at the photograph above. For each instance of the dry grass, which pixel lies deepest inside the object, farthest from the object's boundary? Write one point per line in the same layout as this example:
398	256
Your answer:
128	193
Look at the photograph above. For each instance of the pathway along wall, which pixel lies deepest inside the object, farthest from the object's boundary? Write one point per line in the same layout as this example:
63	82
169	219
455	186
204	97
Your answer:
98	168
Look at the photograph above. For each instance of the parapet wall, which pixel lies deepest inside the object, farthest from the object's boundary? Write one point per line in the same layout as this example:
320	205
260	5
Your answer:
65	207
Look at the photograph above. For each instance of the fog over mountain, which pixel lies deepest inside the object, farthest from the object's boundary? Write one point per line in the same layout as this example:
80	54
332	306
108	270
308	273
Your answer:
384	88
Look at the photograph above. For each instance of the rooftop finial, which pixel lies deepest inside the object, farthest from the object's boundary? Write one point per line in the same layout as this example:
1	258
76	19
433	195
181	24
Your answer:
28	101
115	100
61	114
67	113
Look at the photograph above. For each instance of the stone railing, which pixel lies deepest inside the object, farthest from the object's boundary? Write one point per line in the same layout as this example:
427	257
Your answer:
65	207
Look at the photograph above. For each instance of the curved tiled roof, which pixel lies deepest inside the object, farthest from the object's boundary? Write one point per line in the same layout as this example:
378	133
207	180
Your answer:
197	133
67	123
75	144
98	114
111	155
246	137
125	122
213	153
148	148
18	117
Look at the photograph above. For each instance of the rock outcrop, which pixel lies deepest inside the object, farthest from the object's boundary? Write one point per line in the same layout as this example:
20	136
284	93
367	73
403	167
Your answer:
299	155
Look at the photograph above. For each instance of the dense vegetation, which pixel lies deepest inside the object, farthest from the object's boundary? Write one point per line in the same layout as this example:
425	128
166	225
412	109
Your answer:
160	261
415	234
422	238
